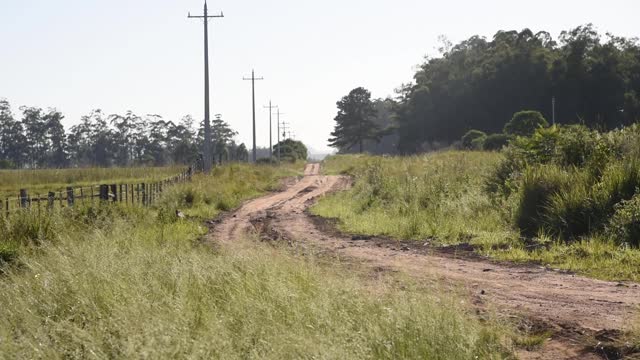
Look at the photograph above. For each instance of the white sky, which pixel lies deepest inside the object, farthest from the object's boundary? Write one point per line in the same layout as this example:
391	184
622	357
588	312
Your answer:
146	56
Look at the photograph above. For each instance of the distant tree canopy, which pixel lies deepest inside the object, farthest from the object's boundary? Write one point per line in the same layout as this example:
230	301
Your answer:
479	84
291	150
39	140
525	123
354	122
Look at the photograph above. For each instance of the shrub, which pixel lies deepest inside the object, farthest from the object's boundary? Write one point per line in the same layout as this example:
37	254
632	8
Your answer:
495	142
624	226
619	182
525	123
471	136
572	213
266	161
539	185
7	164
27	228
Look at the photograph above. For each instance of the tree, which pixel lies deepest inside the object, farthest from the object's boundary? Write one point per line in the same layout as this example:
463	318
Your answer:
525	123
56	139
354	122
472	136
479	83
291	150
242	154
495	142
35	130
13	143
180	141
221	135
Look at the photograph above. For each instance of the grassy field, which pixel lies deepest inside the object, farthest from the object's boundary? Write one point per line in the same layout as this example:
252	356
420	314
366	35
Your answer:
440	198
42	181
112	282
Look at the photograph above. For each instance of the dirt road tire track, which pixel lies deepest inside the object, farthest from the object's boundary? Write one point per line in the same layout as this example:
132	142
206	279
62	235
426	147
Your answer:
576	307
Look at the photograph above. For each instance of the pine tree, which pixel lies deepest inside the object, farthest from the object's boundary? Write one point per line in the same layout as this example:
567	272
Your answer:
354	122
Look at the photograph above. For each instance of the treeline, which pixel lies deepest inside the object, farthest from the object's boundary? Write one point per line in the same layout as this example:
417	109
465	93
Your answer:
38	140
479	84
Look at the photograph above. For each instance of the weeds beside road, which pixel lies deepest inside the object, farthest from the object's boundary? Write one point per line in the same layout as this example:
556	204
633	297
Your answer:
440	198
139	282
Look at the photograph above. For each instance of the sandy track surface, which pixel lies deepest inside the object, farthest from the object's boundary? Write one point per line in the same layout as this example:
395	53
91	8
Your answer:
579	310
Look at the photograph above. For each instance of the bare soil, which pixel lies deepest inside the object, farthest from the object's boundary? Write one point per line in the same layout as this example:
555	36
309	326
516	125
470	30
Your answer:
586	317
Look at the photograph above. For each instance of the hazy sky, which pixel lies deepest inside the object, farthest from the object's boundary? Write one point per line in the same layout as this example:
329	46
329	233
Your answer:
146	56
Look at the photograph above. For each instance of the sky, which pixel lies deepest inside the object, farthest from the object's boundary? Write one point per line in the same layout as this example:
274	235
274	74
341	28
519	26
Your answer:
146	56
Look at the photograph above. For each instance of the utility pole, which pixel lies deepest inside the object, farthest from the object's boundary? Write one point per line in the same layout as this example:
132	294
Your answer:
285	129
553	110
207	156
253	99
271	107
279	146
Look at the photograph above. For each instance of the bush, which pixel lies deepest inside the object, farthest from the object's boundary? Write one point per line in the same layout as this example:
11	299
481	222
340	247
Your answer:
266	161
572	202
525	123
7	164
539	185
624	226
471	136
478	143
495	142
27	228
572	212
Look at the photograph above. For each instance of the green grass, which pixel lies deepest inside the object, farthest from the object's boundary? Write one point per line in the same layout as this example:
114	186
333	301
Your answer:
115	282
439	197
435	196
42	181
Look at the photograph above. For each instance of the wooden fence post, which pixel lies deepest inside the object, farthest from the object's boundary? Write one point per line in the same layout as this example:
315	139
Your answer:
104	192
114	191
144	194
70	196
24	198
126	194
82	195
50	200
7	208
38	198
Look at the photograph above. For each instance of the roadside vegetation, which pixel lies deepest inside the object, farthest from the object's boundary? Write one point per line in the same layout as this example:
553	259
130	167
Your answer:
43	180
116	282
566	197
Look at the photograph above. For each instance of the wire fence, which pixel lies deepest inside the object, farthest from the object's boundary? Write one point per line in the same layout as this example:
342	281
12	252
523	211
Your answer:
139	194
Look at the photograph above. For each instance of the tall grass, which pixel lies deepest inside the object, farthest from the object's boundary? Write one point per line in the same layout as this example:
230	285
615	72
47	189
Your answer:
431	196
134	283
441	197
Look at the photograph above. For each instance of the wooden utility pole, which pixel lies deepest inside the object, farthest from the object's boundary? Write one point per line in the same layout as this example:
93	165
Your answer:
285	129
206	156
279	145
271	107
253	102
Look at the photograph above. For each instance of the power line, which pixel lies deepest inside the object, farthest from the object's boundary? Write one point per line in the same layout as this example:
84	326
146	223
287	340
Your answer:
270	107
253	100
207	156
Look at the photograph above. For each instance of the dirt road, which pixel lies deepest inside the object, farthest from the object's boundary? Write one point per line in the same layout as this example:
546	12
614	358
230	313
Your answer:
579	310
